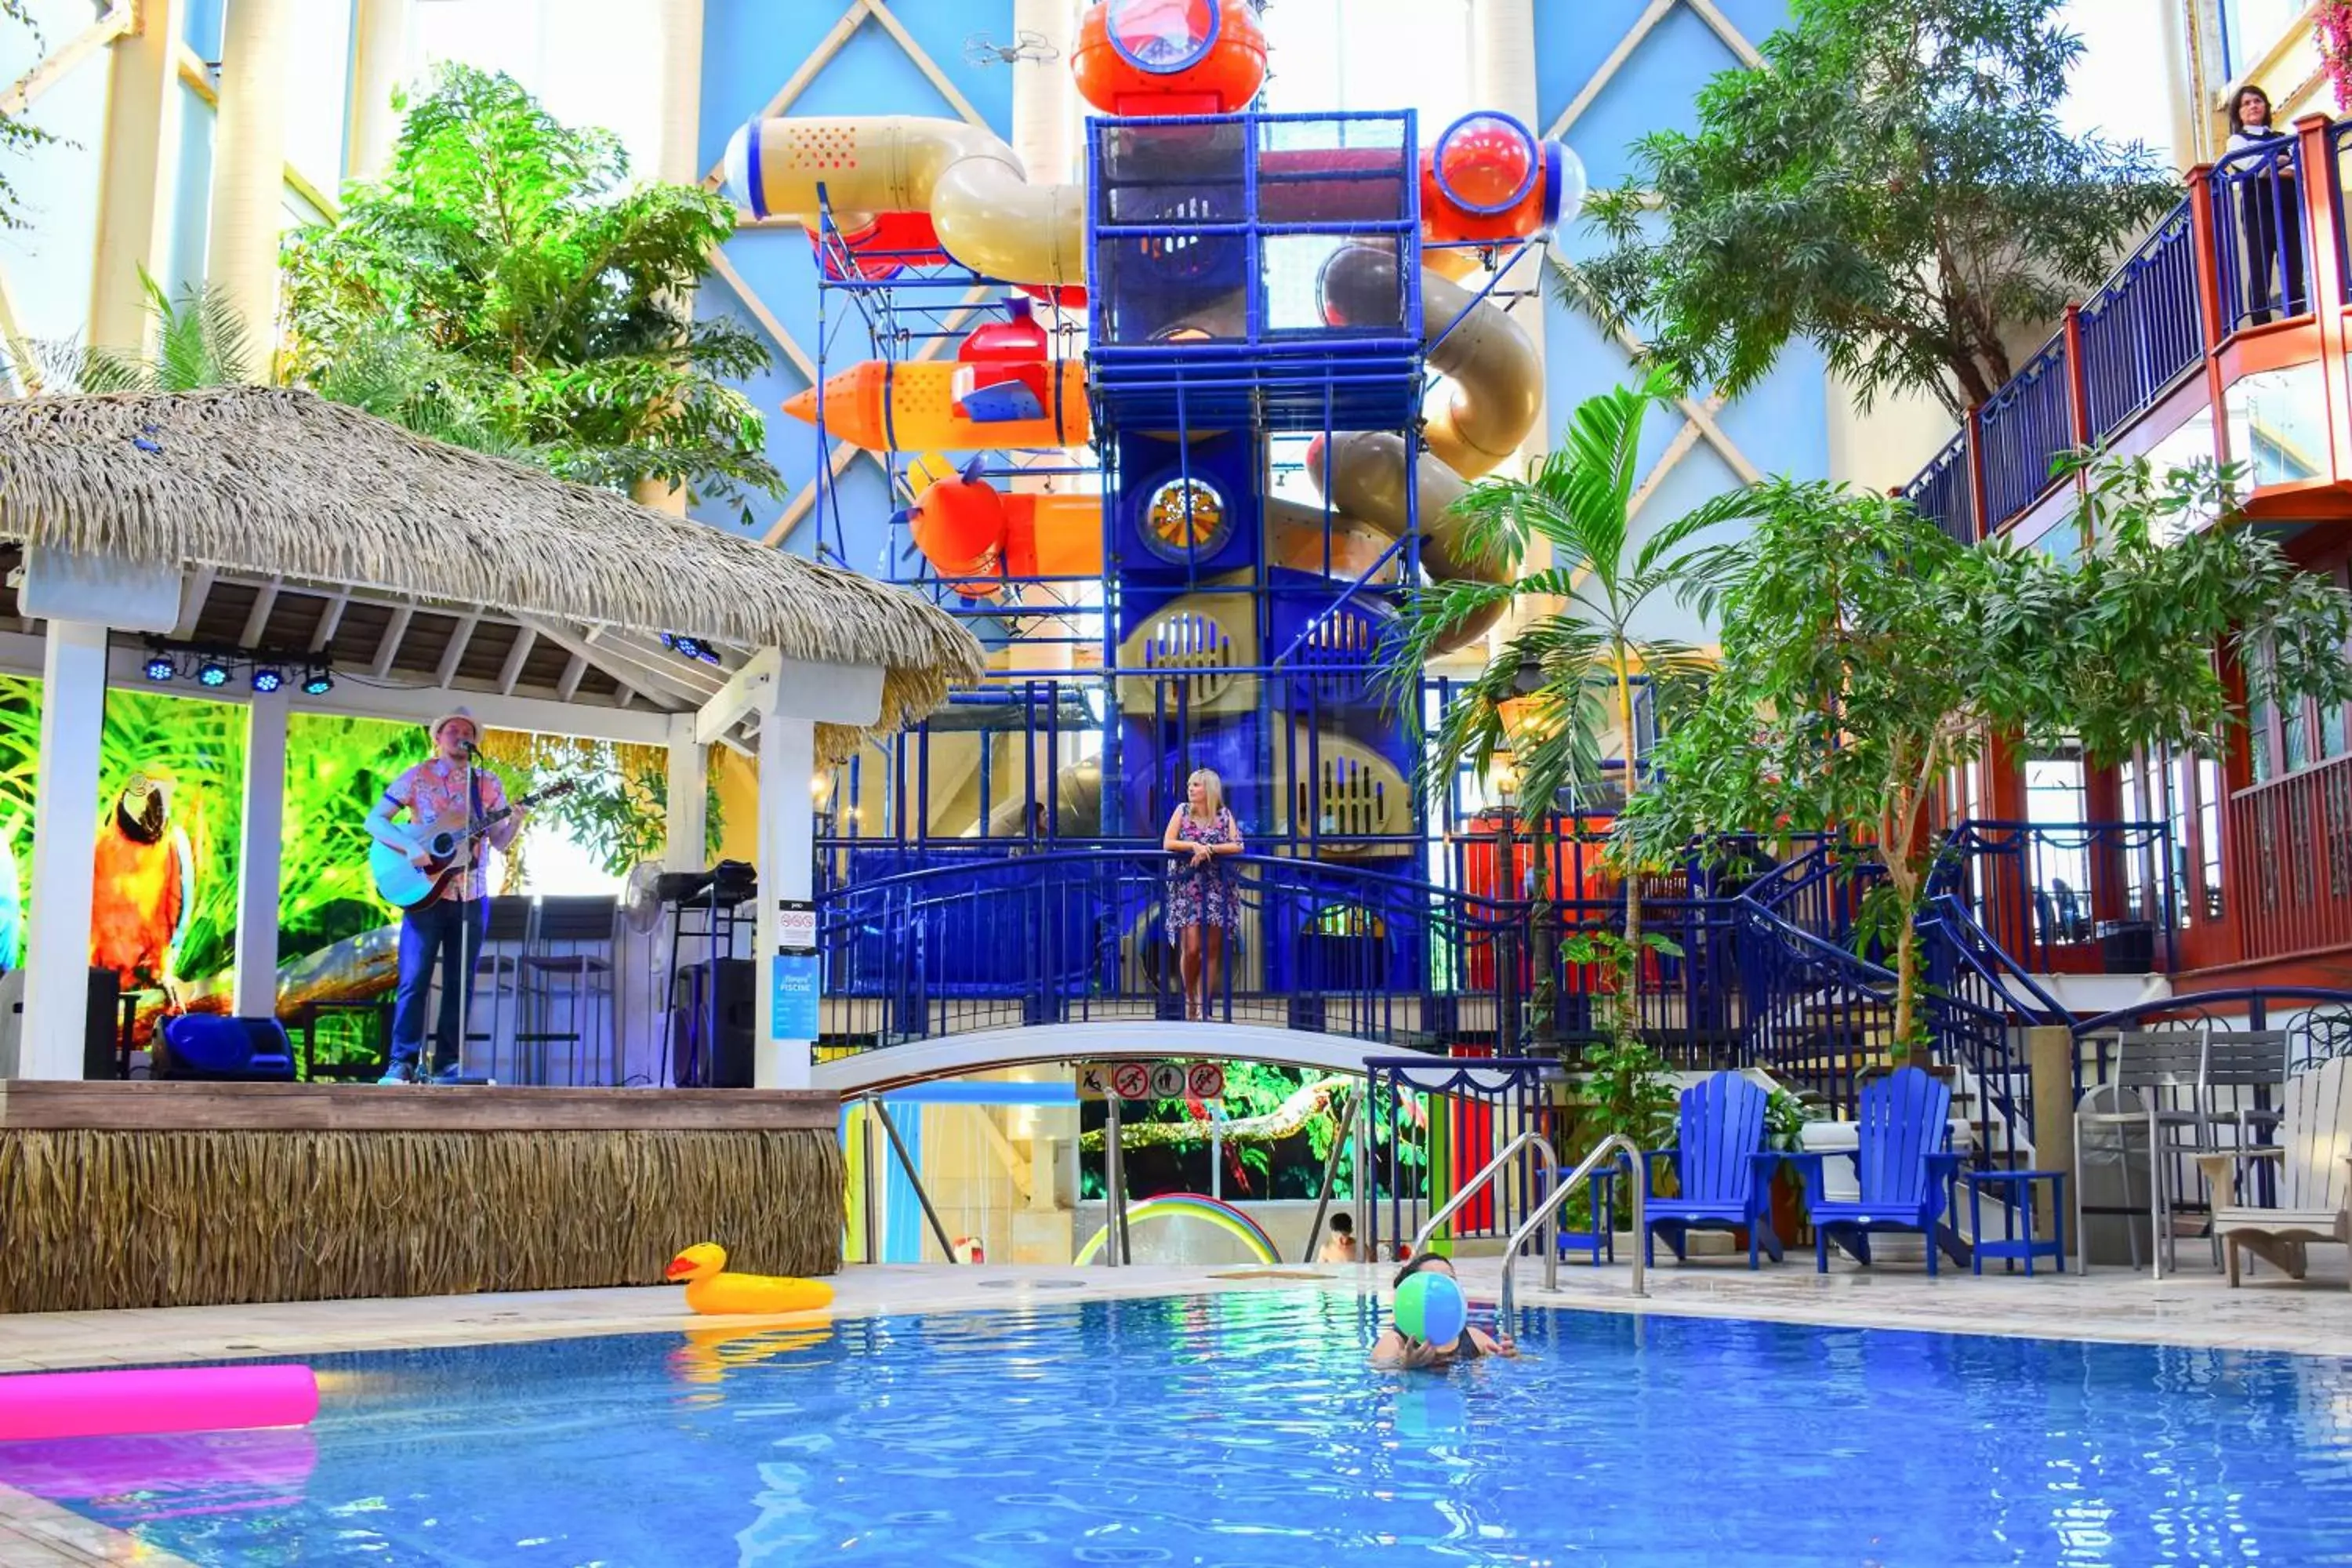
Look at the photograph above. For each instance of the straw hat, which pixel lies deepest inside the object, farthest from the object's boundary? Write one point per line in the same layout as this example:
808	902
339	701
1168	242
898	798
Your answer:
450	718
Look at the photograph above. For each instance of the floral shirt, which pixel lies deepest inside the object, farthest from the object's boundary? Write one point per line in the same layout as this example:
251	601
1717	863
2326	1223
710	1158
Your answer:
434	792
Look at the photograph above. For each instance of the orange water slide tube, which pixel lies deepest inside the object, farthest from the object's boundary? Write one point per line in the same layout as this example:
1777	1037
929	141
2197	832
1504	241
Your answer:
884	405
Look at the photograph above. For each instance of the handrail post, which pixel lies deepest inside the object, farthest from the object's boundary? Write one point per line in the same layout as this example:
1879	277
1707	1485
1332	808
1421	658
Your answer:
2205	256
2078	394
2323	264
1974	455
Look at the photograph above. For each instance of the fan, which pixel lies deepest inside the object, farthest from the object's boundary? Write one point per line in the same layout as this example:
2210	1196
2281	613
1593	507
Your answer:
641	903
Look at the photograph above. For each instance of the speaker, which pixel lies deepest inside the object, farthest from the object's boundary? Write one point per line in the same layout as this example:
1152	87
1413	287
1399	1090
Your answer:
208	1045
101	1029
725	1059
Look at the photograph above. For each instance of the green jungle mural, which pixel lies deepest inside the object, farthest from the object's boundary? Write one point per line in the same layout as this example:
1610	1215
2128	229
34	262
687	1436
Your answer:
170	790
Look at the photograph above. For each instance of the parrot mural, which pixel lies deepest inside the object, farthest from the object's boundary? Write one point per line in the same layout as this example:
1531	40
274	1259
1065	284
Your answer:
144	885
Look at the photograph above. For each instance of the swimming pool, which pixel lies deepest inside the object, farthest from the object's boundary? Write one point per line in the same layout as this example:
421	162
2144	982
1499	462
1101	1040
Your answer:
1245	1429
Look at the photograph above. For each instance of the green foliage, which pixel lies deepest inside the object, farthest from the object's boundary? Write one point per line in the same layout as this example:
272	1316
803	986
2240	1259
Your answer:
199	341
1785	1117
1894	185
620	811
1865	655
1565	674
337	769
19	135
517	249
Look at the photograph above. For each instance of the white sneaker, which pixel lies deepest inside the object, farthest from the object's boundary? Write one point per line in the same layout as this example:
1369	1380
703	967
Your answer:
396	1073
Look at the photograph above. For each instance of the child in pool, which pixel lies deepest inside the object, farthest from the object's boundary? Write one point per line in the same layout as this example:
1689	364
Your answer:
1393	1350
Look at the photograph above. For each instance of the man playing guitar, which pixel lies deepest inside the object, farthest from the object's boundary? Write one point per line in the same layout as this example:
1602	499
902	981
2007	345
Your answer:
445	791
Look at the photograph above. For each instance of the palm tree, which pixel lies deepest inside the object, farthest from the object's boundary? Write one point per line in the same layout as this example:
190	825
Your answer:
1566	676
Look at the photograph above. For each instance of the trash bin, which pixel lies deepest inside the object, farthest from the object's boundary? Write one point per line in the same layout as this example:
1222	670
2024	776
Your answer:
2128	947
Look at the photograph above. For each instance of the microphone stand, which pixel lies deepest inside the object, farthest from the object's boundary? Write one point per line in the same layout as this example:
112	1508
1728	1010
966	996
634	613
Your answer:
468	945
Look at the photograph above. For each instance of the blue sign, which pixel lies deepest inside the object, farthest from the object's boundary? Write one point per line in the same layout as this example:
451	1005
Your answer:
794	990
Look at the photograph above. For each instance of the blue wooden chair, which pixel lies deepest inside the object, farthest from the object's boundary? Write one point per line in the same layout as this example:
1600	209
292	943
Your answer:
1722	1166
1905	1171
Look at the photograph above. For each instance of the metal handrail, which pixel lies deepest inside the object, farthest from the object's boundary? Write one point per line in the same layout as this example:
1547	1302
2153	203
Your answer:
1478	1183
1548	1215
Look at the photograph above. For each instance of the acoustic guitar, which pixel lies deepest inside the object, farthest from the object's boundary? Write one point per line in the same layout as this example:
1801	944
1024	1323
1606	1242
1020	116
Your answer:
448	852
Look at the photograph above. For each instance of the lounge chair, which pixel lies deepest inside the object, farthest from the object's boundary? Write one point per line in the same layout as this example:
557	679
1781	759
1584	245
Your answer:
2314	1179
1722	1168
1903	1170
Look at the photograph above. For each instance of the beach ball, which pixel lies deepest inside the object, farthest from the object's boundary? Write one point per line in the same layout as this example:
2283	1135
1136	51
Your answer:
1429	1308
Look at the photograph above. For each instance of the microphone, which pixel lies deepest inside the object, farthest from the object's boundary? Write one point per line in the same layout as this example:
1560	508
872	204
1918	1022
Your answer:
468	747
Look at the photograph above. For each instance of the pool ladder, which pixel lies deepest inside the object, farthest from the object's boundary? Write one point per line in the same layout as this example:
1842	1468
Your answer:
1547	1213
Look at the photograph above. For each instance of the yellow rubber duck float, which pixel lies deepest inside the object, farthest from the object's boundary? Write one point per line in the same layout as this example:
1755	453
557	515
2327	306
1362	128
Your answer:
709	1289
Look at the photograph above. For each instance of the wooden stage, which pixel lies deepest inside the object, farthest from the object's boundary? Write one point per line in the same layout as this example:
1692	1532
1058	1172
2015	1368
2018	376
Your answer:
142	1195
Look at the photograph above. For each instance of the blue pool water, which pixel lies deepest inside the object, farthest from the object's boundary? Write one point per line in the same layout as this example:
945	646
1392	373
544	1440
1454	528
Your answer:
1248	1430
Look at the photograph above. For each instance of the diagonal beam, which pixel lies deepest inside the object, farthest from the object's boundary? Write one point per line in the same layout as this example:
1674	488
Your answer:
27	89
258	619
195	589
395	632
880	11
1685	440
329	622
1642	26
1733	39
23	369
617	662
518	656
798	83
762	314
460	635
568	685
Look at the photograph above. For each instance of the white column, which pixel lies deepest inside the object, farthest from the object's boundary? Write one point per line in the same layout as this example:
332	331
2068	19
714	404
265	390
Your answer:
378	61
259	854
249	170
1503	77
65	846
689	795
787	863
138	177
677	69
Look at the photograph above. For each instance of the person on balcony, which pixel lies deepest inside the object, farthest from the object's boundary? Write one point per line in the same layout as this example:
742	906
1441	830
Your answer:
1203	906
2270	207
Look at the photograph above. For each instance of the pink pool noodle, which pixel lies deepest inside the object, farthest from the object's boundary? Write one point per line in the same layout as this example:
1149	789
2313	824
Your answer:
174	1399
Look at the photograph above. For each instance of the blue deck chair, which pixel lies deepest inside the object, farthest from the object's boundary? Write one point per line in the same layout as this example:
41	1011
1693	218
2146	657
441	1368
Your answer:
1905	1172
1722	1168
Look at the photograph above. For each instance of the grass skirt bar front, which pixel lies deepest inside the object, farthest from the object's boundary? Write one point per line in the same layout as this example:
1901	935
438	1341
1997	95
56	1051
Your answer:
166	1195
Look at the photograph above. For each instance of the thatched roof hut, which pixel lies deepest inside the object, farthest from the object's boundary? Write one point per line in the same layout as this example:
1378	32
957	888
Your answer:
280	488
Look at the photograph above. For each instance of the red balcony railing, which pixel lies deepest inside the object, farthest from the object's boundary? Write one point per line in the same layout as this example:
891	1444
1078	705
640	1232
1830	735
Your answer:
2259	239
2291	862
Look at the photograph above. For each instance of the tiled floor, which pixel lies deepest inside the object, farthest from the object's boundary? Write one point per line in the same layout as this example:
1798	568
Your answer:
2192	1308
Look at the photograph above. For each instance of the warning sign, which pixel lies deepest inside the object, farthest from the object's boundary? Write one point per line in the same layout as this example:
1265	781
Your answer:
1150	1080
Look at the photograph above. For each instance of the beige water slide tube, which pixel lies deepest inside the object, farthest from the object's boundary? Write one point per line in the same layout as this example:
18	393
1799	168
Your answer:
991	218
985	211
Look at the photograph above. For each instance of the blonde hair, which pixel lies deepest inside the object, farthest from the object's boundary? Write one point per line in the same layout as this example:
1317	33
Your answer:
1216	791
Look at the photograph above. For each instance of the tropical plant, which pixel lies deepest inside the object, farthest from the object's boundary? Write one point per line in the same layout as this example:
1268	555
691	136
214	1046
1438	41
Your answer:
17	134
1565	677
1893	183
517	248
619	812
1866	655
201	342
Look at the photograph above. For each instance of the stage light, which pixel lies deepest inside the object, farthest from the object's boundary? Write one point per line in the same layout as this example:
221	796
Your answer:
267	678
161	668
690	647
212	673
318	683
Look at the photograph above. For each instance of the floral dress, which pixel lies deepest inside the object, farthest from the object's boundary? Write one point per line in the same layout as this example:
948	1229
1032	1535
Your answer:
1203	895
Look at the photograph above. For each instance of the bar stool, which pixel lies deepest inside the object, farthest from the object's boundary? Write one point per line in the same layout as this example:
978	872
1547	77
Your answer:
498	978
574	942
2164	1069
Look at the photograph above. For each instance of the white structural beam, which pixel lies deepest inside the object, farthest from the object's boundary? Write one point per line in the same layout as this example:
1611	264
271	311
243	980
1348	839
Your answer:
258	619
624	665
21	654
517	656
387	647
65	845
460	637
259	854
379	55
688	783
137	178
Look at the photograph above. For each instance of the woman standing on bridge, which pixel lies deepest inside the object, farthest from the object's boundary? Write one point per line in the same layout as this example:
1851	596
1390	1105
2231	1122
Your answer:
1203	903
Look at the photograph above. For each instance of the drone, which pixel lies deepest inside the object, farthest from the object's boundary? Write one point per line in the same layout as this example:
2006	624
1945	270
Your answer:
983	50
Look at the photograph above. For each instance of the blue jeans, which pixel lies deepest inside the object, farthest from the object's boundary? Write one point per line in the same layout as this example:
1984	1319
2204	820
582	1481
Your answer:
447	932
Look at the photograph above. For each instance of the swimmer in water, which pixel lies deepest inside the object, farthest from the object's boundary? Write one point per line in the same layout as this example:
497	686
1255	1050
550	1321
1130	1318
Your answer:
1393	1350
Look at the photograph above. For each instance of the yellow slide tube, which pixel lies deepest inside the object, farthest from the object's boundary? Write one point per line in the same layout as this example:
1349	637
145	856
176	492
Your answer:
987	214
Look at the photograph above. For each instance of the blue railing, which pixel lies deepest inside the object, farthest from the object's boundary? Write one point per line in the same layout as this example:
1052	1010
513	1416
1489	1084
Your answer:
2046	890
1082	935
1945	490
2145	330
2262	234
2023	431
1977	998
